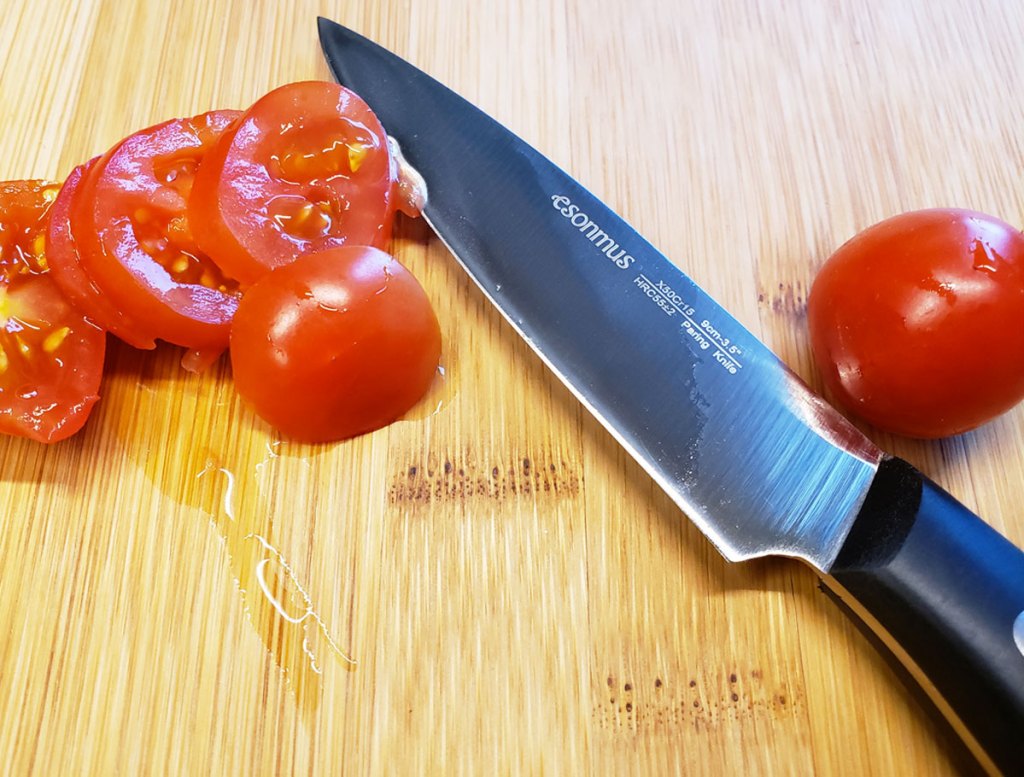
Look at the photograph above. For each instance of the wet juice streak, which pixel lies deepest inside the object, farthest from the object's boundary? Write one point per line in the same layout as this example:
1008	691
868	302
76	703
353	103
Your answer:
278	605
438	396
227	467
226	478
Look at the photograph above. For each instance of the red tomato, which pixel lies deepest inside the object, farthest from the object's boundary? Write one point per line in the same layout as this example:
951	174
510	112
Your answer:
51	358
66	269
917	323
338	343
307	168
130	224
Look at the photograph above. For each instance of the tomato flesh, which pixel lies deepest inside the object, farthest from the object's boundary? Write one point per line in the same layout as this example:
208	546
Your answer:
307	168
335	344
129	219
916	323
51	357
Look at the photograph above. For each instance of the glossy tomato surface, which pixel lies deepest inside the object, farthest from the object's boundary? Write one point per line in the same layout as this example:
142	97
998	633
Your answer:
51	357
307	168
335	344
131	229
917	323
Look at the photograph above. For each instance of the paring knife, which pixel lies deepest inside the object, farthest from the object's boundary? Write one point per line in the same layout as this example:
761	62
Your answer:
761	464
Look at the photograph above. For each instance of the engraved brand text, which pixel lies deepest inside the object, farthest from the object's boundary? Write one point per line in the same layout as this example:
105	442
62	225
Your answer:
601	239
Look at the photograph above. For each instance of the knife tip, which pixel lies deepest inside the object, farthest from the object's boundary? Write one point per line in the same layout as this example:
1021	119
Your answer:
324	25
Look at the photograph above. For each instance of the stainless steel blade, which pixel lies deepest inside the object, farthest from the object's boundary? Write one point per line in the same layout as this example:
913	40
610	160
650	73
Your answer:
755	459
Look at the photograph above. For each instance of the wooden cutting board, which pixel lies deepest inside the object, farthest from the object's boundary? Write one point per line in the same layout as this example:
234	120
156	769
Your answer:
490	586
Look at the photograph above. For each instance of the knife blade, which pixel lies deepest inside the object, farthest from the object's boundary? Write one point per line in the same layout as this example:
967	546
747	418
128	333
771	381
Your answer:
755	459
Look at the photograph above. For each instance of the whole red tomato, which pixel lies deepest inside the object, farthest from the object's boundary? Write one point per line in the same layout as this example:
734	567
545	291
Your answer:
917	323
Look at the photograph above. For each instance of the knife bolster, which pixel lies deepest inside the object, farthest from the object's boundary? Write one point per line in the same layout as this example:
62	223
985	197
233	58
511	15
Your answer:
943	591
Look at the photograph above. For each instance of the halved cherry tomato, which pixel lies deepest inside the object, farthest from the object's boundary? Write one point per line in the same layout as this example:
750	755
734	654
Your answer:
917	323
307	168
129	219
51	357
338	343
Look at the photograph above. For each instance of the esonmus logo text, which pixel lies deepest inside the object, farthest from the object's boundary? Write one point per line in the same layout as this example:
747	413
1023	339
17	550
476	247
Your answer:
601	239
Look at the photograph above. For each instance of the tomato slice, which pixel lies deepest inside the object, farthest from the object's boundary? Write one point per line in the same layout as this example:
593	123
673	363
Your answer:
129	219
335	344
307	168
67	272
51	357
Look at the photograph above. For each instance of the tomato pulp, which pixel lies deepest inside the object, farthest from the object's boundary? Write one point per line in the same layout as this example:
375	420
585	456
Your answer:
917	323
335	344
307	168
51	357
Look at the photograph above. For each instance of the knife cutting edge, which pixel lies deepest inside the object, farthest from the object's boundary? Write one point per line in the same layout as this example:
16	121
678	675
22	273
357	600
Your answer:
754	458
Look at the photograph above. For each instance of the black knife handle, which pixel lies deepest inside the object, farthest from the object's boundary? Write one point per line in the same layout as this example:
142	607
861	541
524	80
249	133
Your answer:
944	592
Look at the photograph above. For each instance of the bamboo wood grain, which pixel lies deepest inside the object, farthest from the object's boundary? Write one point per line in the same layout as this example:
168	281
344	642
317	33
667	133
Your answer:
491	586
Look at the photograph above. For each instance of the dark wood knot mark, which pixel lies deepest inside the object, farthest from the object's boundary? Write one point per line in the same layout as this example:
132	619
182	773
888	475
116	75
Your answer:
456	478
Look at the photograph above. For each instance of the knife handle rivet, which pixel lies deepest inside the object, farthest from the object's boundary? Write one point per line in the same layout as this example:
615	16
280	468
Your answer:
1018	632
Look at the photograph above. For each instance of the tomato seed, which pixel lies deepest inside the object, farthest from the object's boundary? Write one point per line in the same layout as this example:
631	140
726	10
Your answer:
180	264
55	338
356	154
303	215
24	348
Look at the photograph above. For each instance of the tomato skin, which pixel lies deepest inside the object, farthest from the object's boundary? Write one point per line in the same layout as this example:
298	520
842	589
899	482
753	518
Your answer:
306	168
51	357
917	323
130	226
335	344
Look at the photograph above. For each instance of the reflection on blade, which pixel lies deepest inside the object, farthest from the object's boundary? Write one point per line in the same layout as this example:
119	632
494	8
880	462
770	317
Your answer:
757	461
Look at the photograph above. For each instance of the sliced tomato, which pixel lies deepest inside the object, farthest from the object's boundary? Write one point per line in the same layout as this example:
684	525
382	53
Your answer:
68	273
130	224
51	357
307	168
